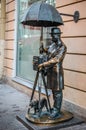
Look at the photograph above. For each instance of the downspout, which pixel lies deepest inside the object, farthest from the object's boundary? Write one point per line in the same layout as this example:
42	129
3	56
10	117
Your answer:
2	37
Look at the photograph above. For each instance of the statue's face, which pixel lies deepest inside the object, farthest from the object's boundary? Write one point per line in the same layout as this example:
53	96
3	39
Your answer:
55	37
55	33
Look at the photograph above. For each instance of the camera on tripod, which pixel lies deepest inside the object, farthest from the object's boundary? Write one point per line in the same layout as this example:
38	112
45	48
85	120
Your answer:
39	60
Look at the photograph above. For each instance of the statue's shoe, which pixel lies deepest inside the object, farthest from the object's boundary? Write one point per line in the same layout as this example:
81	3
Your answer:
54	115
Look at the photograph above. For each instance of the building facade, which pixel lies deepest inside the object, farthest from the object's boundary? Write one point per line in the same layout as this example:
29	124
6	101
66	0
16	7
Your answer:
22	43
2	36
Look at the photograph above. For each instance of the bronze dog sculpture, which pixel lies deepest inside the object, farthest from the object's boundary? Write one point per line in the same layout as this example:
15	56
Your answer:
35	105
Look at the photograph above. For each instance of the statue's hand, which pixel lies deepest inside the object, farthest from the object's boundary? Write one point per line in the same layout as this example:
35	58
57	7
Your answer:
40	67
43	65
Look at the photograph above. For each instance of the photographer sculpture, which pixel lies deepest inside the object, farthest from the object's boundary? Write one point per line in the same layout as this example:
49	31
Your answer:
55	77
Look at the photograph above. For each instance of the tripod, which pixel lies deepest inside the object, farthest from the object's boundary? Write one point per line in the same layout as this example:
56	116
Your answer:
45	87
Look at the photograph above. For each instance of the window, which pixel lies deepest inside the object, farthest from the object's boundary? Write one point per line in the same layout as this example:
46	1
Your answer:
28	42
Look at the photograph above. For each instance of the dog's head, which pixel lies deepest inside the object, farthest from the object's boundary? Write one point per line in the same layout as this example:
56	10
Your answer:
33	103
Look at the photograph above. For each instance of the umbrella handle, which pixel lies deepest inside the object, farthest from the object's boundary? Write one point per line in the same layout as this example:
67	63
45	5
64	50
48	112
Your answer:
41	37
41	41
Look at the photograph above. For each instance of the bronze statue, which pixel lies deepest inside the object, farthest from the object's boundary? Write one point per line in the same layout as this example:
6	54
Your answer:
55	76
35	105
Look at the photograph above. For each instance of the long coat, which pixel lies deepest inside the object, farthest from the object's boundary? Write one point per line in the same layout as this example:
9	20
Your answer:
55	75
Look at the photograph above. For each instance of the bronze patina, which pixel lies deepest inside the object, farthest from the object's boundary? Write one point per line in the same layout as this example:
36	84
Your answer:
53	70
55	76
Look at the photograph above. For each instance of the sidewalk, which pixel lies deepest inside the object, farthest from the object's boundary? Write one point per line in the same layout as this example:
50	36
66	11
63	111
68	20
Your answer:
13	102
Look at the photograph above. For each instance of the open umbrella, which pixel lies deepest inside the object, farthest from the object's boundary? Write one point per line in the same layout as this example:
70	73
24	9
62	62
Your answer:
42	14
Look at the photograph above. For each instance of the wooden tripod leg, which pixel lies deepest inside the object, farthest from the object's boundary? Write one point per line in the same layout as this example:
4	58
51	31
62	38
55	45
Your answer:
46	91
34	87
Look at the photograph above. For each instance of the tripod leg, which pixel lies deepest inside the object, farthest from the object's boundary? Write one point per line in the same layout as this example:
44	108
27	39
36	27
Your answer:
34	87
46	91
39	100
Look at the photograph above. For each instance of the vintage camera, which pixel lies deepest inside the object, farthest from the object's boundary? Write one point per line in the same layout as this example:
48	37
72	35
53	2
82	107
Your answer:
39	60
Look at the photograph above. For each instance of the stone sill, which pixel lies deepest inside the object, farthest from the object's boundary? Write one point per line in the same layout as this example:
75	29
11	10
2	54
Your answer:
28	84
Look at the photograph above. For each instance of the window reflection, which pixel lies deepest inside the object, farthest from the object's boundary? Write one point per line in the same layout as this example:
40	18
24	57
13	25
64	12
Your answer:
28	42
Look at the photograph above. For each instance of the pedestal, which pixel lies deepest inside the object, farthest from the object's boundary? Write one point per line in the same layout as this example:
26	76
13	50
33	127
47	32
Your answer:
67	121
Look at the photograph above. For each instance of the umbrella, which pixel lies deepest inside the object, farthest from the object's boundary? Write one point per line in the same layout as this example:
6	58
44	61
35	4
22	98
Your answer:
42	14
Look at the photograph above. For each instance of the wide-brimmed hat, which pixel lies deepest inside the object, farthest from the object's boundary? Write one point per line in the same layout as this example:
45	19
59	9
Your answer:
55	31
